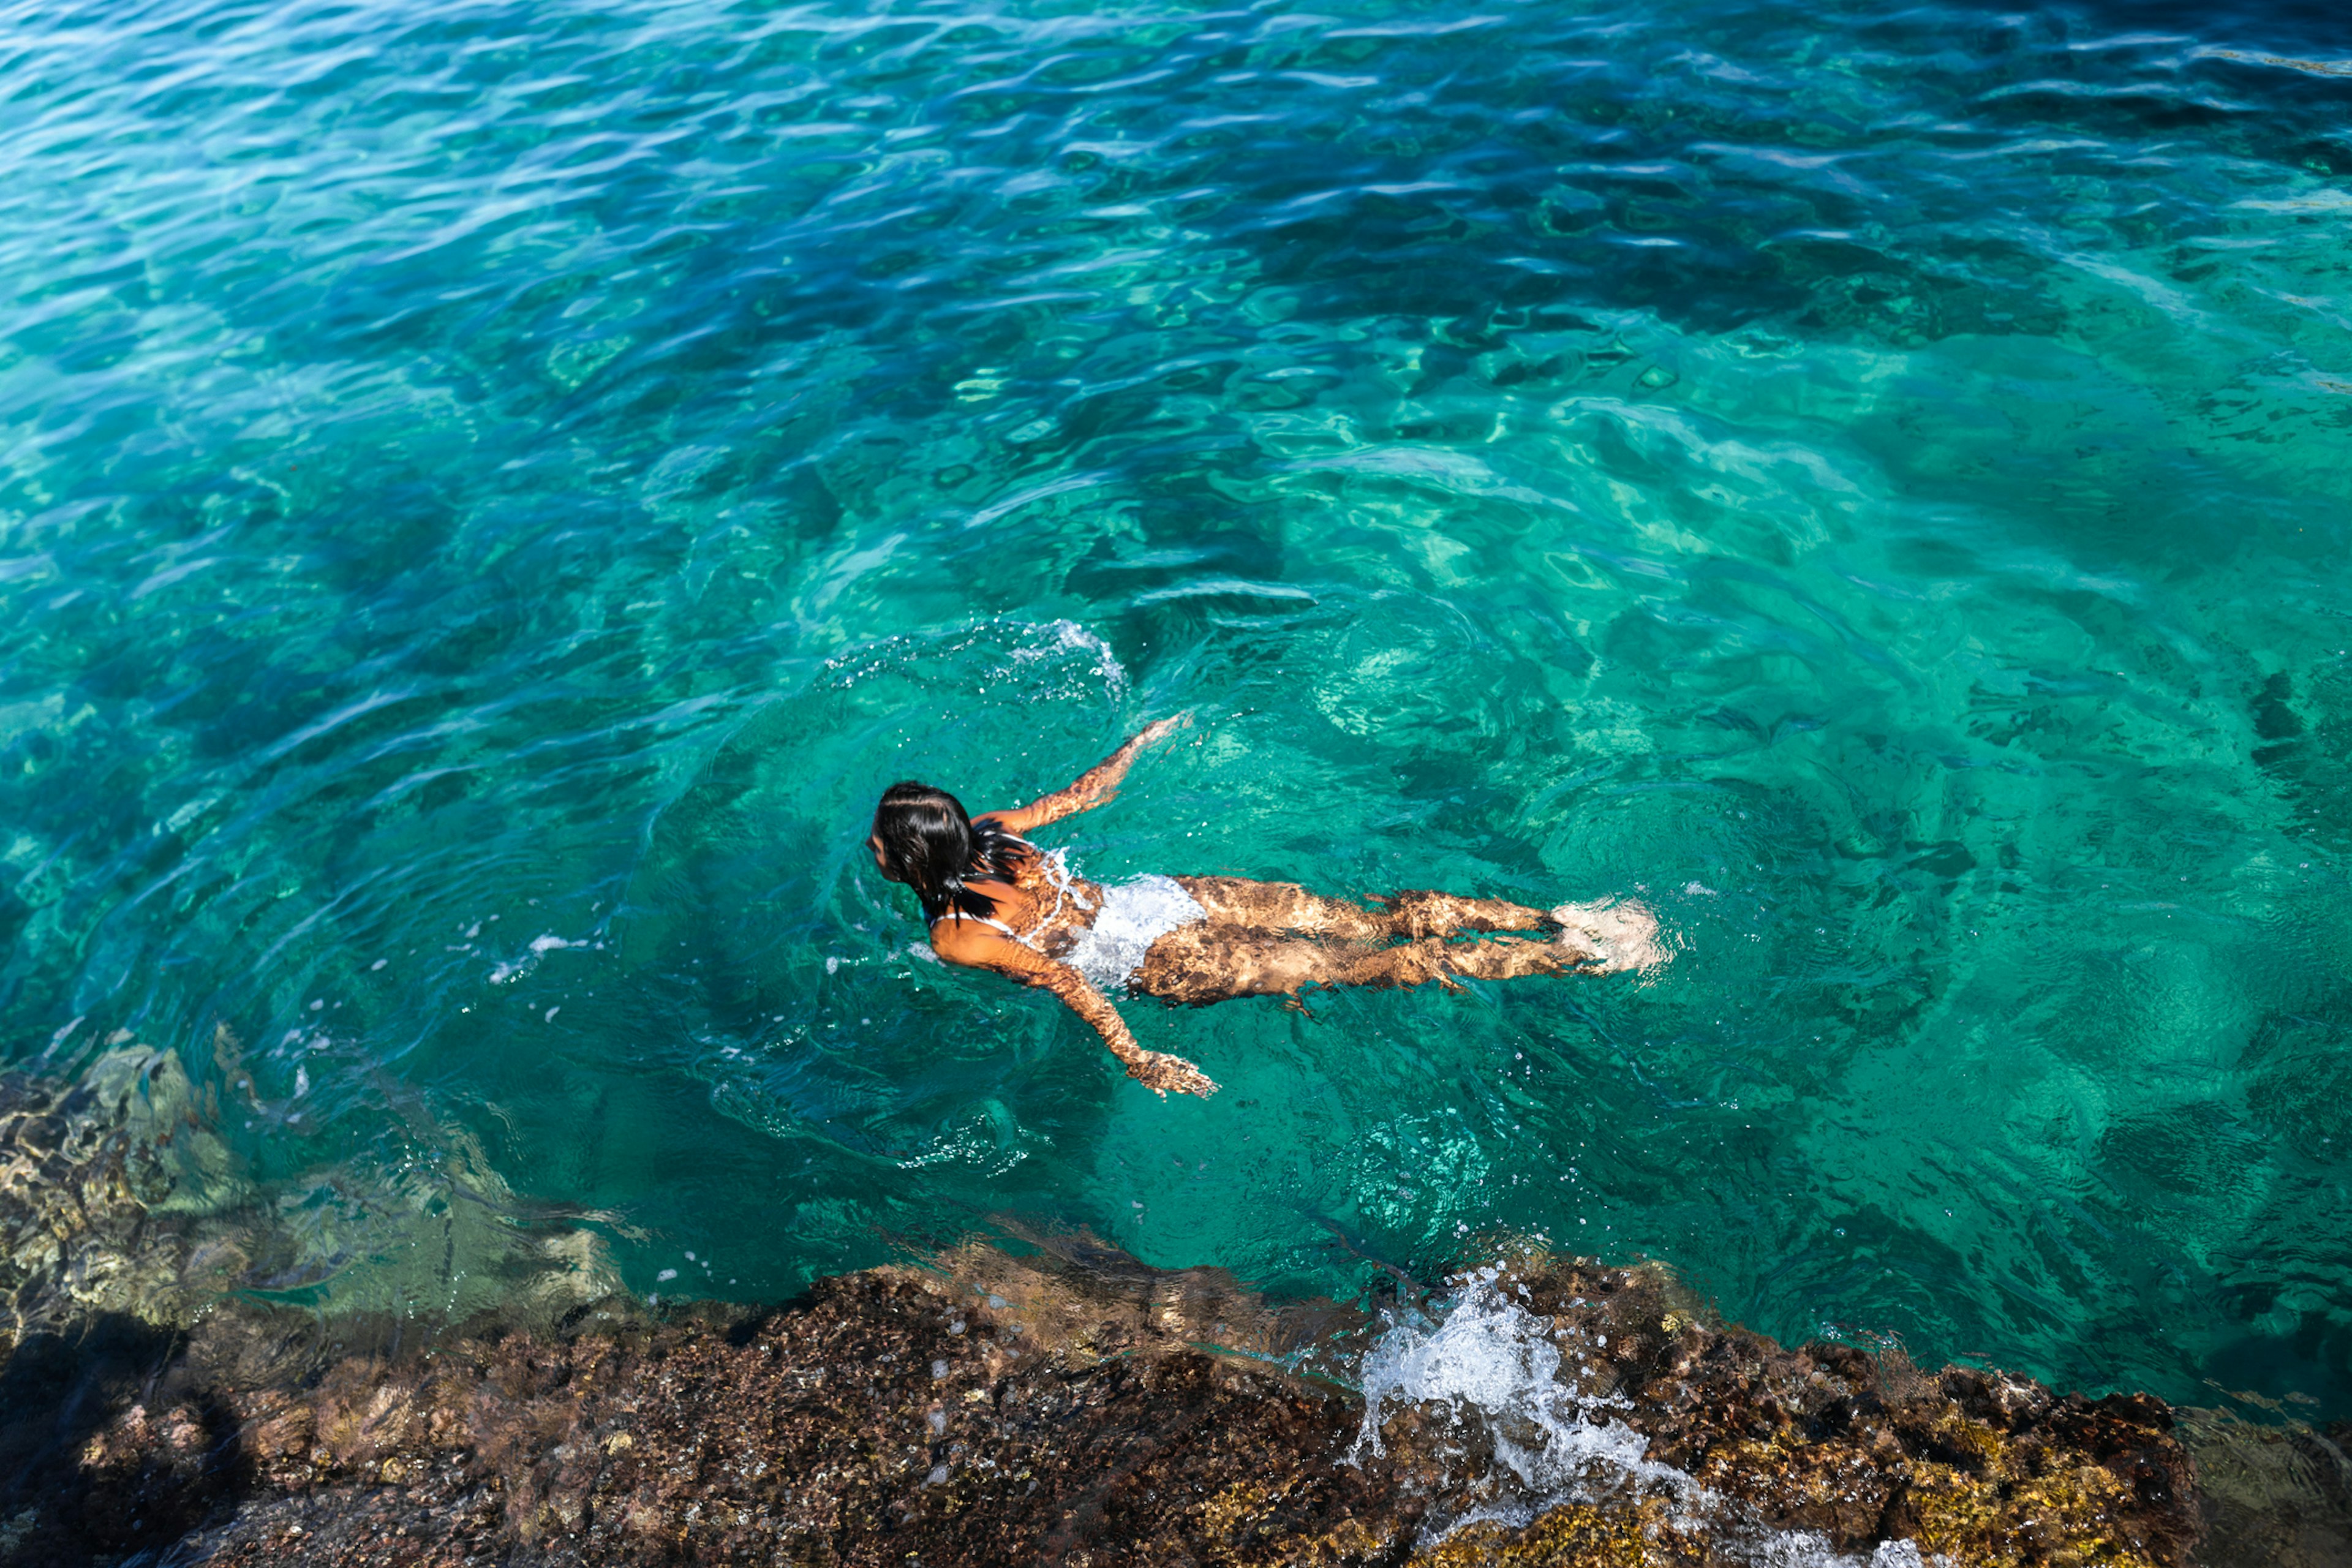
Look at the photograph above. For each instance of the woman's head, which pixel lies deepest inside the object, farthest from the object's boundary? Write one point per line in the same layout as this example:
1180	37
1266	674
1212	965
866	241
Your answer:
923	838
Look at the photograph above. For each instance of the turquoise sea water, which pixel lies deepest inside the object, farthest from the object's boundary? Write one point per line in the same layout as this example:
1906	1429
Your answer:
490	491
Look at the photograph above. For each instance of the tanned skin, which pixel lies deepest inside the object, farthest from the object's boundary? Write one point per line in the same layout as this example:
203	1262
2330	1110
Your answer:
958	939
1262	939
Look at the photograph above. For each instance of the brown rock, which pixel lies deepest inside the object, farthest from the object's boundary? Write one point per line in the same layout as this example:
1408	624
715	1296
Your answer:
1072	1407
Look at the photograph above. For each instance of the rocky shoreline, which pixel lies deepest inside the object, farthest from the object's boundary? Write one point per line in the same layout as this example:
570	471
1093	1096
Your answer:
1067	1405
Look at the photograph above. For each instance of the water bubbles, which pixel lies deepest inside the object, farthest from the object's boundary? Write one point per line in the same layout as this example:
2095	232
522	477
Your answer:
539	948
1492	1364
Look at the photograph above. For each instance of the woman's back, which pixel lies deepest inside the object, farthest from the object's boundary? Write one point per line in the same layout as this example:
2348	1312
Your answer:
1041	903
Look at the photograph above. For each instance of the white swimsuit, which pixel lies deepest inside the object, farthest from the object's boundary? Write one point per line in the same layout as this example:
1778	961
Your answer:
1131	918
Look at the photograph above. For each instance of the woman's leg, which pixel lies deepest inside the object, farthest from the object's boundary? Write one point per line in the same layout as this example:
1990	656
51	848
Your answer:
1425	913
1287	907
1198	965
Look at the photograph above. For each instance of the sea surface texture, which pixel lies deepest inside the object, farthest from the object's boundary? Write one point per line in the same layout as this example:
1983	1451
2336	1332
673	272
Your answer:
490	490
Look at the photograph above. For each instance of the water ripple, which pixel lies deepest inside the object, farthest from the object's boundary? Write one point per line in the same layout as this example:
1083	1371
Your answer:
480	472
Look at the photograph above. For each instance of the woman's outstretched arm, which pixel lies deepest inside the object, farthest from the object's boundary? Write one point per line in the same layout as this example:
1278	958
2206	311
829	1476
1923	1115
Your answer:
1091	788
981	947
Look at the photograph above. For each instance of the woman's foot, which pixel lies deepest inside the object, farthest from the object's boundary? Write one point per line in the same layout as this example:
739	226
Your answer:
1610	935
1165	1075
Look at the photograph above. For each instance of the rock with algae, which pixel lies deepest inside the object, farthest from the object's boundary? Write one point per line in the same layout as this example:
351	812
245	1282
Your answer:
1031	1412
1069	1406
1748	1451
99	1181
118	1194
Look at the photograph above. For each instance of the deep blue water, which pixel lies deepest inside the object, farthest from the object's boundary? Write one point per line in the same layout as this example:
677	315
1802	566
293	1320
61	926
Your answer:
490	492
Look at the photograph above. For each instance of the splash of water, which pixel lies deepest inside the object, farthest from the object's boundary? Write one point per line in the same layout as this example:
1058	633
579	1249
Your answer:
1495	1366
1498	1370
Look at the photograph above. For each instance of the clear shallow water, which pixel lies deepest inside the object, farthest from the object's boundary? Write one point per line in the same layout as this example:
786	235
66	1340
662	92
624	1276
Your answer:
490	492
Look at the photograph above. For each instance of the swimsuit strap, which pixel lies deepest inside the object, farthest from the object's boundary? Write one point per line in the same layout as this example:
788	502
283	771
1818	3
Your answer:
1056	866
1055	863
999	925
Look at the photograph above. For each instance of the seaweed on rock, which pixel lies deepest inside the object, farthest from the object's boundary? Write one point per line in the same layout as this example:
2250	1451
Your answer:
1071	1405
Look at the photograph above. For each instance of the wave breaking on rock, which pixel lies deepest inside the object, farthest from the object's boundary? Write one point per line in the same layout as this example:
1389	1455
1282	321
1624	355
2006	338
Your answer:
1050	1400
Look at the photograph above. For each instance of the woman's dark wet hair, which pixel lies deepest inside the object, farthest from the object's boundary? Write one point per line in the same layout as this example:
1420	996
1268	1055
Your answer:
931	844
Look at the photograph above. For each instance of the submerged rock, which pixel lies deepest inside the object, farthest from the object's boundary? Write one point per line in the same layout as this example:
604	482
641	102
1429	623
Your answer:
118	1196
99	1185
1070	1405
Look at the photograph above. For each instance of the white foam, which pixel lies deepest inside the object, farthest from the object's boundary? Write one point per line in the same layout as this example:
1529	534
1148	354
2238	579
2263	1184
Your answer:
1620	934
1809	1548
1495	1368
1066	637
1493	1365
541	946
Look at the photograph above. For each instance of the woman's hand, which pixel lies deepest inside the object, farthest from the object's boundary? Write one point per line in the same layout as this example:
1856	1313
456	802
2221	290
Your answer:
983	947
1158	728
1157	1072
1165	1075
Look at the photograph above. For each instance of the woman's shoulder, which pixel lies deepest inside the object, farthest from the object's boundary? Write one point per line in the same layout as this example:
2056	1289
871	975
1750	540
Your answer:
968	940
1001	826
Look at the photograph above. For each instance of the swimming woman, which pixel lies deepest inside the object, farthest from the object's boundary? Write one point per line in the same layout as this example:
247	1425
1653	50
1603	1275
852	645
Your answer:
994	900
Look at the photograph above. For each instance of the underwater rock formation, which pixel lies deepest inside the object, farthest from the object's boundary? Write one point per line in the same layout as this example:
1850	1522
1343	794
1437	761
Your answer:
1070	1405
118	1196
95	1179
